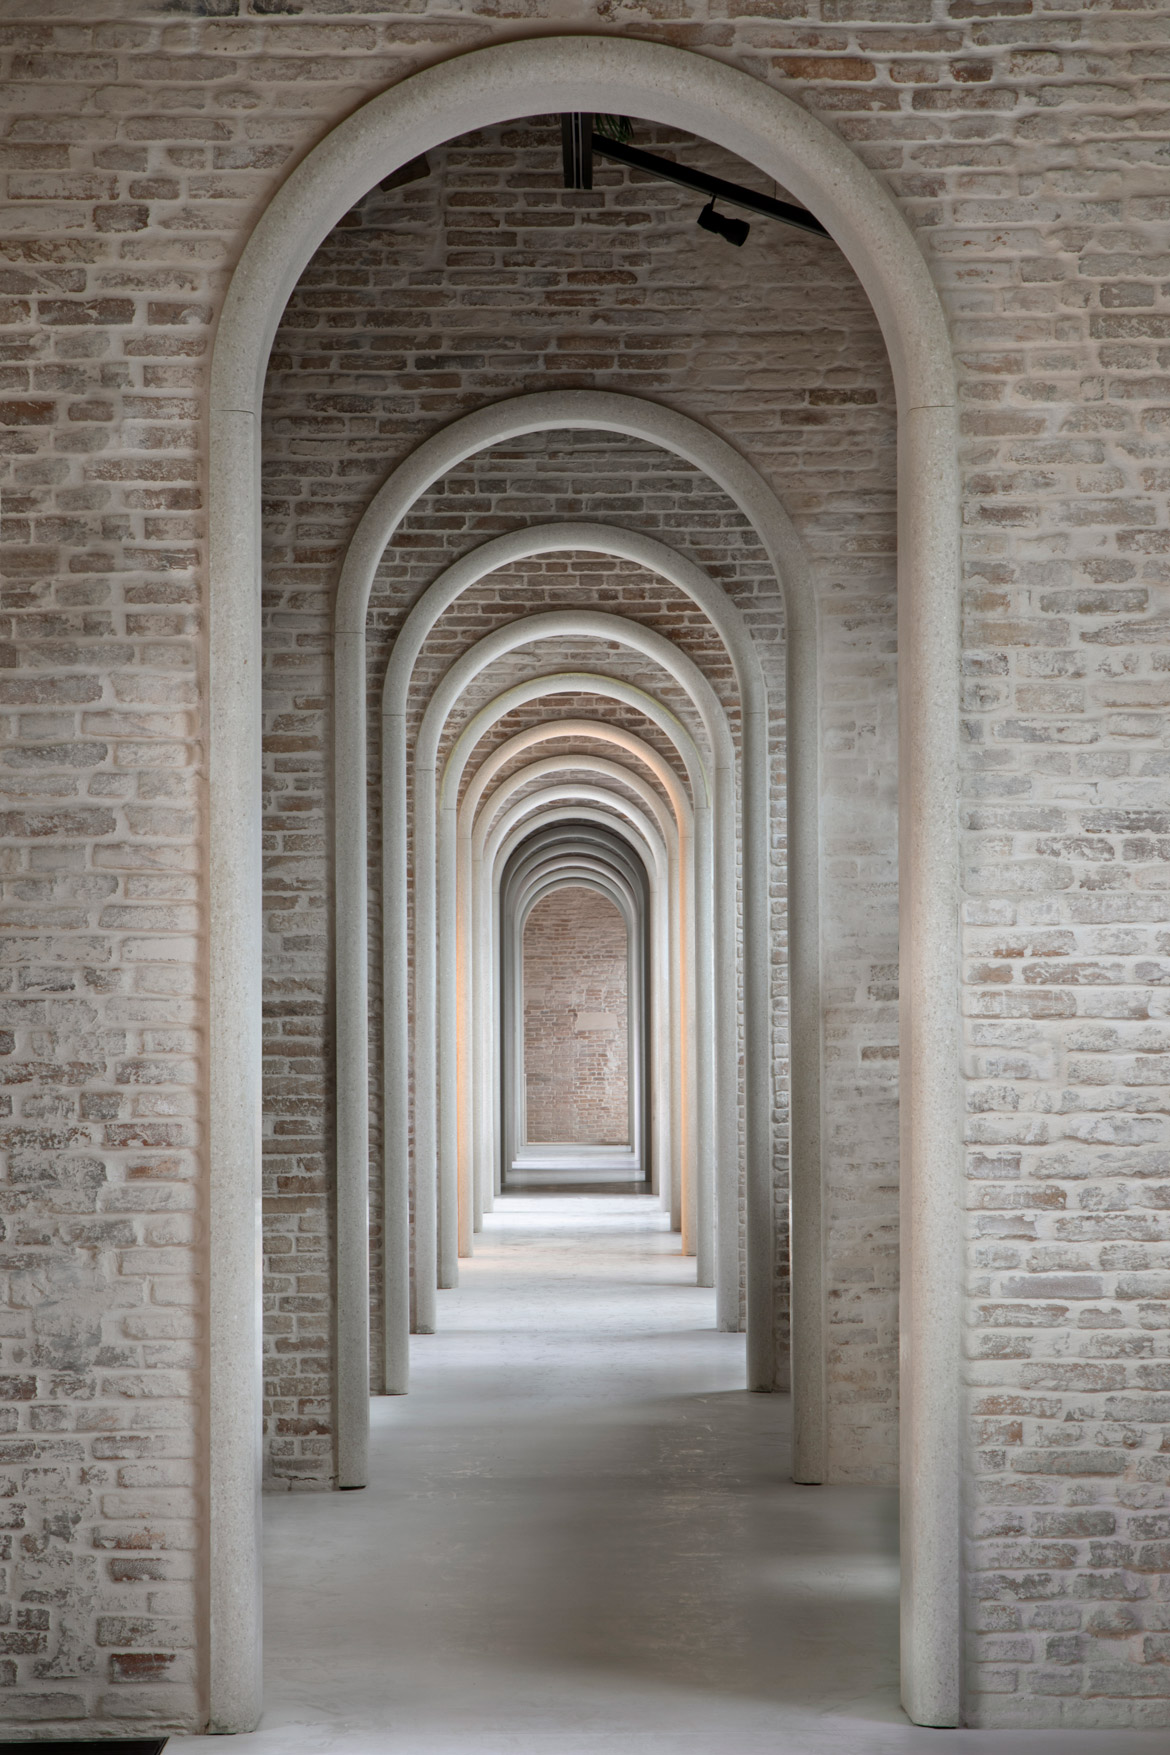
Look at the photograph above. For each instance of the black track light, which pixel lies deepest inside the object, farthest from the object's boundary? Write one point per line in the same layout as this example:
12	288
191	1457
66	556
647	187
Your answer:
734	230
585	137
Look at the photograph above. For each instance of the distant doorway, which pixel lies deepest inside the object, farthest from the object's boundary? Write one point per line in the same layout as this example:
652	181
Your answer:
737	113
580	1091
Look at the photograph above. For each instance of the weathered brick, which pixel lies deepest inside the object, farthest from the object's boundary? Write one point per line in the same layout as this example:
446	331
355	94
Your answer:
576	963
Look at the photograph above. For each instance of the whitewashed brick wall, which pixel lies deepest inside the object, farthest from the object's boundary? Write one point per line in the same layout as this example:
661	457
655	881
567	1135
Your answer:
1025	140
388	335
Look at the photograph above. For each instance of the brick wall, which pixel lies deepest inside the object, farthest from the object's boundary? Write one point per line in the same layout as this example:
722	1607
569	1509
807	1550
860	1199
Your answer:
576	1020
1025	144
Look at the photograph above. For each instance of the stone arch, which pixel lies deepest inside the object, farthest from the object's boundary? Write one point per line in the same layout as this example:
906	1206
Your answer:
518	846
551	886
762	126
699	781
665	973
685	437
470	835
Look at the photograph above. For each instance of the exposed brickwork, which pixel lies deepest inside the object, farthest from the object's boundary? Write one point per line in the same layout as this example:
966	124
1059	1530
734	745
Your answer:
1026	144
576	1020
1067	936
551	584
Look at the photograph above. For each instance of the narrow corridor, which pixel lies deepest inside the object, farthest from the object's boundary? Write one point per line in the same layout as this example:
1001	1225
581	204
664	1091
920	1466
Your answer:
579	1538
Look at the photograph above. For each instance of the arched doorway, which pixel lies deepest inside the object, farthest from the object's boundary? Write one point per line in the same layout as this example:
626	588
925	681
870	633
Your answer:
763	127
574	992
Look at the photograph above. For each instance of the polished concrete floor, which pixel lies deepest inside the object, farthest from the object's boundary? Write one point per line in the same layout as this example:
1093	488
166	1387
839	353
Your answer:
579	1540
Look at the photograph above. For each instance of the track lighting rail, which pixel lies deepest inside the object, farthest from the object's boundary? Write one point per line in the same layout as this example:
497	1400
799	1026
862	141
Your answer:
582	142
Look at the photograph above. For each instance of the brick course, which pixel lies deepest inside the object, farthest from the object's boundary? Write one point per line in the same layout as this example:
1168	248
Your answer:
822	419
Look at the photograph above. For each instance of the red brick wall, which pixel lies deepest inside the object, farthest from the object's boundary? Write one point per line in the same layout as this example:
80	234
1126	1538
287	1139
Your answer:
576	1020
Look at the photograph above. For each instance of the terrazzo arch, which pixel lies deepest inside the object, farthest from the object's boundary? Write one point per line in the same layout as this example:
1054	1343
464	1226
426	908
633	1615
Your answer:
696	821
553	877
477	897
546	862
462	855
631	416
665	974
519	415
532	871
473	934
433	1141
572	879
734	110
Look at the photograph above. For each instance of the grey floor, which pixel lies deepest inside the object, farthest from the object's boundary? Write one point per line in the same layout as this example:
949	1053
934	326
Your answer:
579	1539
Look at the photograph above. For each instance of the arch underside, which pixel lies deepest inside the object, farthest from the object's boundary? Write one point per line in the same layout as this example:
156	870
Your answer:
618	1149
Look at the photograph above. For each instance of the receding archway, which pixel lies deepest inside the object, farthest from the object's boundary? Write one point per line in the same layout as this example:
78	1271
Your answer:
578	1103
762	126
529	630
576	1100
674	433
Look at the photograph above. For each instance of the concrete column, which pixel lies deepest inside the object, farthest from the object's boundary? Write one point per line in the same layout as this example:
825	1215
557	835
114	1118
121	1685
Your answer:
487	1072
396	1083
726	1056
699	1213
931	1093
810	1458
467	951
426	1020
671	1029
455	1228
759	1097
683	1219
397	1035
353	1098
233	1116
